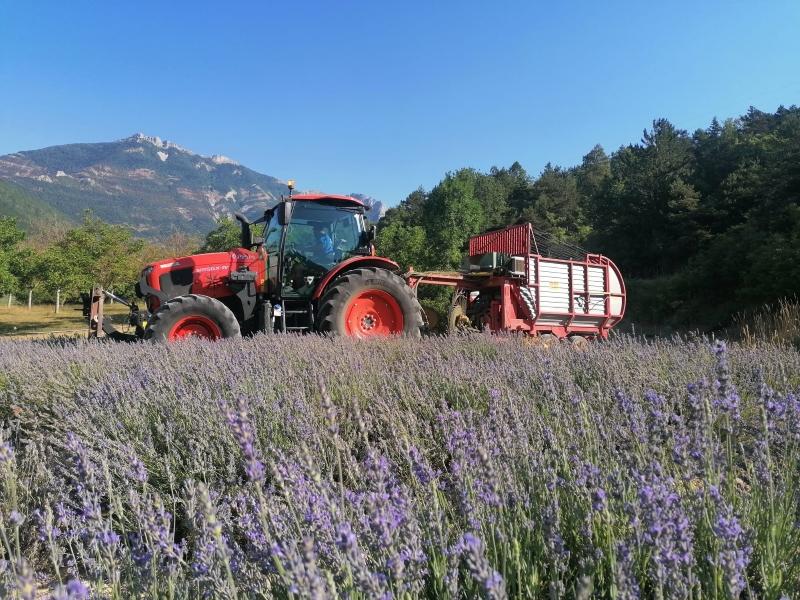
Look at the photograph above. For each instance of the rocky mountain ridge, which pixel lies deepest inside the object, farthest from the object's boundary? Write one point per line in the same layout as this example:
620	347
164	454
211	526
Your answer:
153	185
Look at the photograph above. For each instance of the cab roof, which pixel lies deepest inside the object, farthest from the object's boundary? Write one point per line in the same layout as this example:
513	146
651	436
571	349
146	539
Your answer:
323	197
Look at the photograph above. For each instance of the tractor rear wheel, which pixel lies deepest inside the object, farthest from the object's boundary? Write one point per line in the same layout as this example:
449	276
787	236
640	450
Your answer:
370	302
192	316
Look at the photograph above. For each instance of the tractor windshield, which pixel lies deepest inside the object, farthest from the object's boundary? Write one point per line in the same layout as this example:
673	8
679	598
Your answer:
318	237
325	234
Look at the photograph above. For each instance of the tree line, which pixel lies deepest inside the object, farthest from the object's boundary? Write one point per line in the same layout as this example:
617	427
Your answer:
74	259
703	225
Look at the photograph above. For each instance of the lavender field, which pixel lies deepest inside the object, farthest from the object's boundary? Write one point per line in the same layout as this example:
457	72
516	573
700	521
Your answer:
306	467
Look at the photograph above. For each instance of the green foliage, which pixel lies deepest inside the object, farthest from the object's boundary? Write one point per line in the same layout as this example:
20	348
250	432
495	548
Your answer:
28	268
93	253
556	206
453	213
406	244
649	205
10	236
227	235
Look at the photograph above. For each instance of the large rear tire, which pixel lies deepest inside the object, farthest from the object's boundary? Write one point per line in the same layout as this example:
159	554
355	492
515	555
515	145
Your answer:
370	302
192	316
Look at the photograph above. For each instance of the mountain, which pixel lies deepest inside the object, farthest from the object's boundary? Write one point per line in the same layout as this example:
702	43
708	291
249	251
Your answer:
33	215
150	184
375	208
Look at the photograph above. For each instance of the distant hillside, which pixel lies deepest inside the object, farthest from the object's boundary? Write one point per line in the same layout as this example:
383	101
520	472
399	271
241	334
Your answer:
152	185
31	214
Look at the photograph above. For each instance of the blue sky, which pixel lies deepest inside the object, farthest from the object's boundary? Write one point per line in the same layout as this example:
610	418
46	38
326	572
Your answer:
382	97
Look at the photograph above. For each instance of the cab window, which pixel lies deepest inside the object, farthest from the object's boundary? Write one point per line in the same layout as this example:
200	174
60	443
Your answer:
272	234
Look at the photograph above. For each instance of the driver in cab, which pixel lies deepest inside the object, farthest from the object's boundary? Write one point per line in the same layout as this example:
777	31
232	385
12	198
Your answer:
324	253
318	258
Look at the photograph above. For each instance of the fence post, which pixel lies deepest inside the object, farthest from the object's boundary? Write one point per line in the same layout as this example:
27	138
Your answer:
58	299
30	298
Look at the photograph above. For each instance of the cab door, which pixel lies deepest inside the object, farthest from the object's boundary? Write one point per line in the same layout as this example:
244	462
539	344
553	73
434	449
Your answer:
273	231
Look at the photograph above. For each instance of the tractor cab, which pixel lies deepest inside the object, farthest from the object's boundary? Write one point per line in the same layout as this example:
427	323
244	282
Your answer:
311	244
306	236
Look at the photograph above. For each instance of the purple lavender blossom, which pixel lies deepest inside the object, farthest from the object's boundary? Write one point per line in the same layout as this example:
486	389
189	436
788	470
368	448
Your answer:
331	416
491	583
6	454
137	468
624	577
25	581
420	467
73	590
589	478
84	468
735	551
46	526
726	398
574	474
242	428
156	526
304	577
664	528
632	411
368	582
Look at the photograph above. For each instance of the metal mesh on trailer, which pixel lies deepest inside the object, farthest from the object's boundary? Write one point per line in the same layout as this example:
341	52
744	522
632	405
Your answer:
547	245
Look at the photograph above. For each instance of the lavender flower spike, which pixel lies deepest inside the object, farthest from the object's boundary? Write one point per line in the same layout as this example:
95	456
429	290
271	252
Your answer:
492	584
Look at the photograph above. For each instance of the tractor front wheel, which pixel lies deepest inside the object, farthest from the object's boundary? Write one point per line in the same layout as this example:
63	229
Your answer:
192	316
370	302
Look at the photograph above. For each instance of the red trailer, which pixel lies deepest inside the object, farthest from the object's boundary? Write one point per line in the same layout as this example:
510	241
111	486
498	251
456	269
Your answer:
518	280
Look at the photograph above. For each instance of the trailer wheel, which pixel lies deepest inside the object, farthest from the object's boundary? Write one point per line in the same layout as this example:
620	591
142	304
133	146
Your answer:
457	319
192	316
478	311
579	342
542	340
370	302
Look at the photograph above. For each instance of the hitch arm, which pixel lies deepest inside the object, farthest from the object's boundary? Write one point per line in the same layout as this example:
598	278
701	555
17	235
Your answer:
97	323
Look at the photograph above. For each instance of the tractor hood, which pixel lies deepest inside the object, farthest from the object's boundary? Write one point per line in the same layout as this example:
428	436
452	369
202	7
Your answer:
197	261
208	274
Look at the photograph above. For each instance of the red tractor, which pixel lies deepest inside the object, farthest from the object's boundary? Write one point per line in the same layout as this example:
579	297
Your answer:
308	264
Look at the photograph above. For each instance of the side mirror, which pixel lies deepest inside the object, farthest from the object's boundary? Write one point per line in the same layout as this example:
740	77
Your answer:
367	238
247	238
